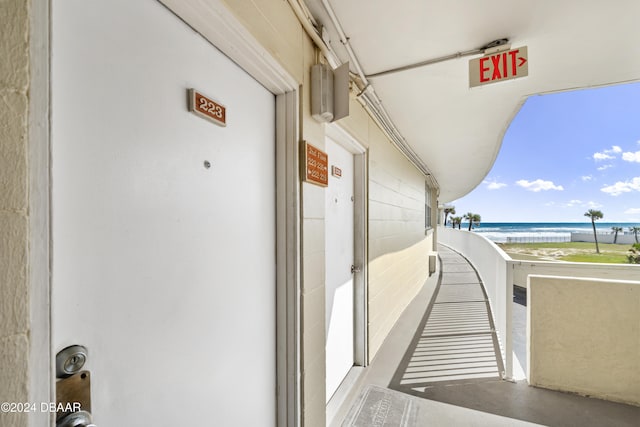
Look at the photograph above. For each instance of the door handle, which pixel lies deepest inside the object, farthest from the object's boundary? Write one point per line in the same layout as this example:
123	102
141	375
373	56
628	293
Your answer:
76	419
73	388
355	269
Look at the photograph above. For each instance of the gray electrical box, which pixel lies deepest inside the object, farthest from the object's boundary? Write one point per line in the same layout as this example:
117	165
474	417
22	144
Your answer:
322	93
329	92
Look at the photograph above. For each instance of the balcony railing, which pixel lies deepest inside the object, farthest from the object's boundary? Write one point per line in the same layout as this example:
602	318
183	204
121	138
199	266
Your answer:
499	273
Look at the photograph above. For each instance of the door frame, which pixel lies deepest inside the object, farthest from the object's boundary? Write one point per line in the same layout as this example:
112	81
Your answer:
226	33
360	259
41	369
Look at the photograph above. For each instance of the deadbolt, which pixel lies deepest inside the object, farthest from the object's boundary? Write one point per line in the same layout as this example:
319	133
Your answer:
70	360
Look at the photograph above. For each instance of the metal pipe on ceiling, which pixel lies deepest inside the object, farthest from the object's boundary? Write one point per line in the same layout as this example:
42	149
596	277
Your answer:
496	45
367	97
374	103
427	62
308	23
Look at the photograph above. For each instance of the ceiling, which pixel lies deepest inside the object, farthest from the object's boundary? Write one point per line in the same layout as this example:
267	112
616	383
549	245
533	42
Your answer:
457	131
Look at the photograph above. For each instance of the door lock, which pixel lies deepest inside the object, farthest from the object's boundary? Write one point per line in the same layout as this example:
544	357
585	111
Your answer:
70	360
355	269
73	388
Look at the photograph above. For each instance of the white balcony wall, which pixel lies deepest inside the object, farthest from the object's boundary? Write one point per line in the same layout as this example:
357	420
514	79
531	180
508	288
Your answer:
522	269
491	263
499	273
584	336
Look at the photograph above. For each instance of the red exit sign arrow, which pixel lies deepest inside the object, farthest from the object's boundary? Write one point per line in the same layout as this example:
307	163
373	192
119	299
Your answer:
499	67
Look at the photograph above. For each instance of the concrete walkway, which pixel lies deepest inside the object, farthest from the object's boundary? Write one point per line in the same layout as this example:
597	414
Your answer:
458	341
438	367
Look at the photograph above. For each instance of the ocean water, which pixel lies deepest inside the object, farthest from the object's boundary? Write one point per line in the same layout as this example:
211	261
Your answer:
521	232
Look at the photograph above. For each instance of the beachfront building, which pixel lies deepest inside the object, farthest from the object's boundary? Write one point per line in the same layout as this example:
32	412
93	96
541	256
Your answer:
224	212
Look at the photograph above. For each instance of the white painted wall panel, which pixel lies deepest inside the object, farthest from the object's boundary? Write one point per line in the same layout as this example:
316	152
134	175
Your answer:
398	248
163	268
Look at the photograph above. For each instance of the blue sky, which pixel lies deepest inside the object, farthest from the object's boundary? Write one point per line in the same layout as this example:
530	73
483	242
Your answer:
564	154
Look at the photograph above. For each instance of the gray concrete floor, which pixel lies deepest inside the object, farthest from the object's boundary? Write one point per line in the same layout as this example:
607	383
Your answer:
480	402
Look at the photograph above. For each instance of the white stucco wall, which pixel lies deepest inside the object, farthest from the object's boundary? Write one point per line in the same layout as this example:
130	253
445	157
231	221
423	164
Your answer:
14	234
584	336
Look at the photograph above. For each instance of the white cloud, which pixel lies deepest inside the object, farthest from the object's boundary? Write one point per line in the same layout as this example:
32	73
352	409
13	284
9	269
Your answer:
538	185
580	203
494	185
631	157
602	156
605	167
632	211
587	178
606	154
622	187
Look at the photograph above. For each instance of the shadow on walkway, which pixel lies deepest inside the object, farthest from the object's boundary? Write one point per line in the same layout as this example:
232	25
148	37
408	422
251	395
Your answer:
454	358
414	380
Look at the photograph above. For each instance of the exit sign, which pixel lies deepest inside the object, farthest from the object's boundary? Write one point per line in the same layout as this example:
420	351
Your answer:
499	67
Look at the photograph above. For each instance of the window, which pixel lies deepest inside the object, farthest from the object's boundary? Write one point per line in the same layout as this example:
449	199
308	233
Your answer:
427	206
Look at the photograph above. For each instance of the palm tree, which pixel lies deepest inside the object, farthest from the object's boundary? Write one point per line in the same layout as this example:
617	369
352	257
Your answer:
635	231
616	230
474	219
449	210
594	215
456	220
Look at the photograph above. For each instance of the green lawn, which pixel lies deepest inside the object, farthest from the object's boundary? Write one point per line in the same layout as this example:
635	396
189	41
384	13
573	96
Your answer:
567	251
602	258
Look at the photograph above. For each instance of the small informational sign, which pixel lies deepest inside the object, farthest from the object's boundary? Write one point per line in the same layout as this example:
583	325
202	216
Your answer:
336	171
207	108
316	165
499	66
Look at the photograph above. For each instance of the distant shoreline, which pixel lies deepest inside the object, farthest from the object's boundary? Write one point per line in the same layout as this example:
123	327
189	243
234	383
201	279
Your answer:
522	232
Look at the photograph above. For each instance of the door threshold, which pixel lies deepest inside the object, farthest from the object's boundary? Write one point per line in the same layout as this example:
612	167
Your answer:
343	392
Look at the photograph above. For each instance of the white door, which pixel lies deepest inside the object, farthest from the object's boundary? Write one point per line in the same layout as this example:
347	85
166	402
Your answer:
339	250
163	268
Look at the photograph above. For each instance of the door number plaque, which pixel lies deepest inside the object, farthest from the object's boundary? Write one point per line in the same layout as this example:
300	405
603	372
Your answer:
207	108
